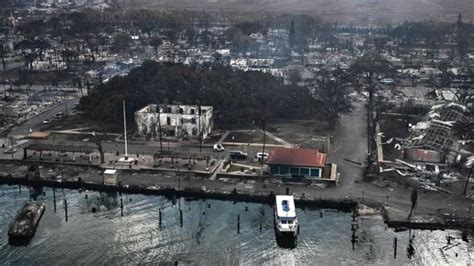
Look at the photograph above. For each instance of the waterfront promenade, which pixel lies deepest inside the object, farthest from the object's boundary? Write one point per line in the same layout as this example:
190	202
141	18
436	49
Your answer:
348	146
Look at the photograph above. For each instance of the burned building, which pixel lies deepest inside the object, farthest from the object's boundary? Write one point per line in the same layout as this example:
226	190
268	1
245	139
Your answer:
180	121
431	140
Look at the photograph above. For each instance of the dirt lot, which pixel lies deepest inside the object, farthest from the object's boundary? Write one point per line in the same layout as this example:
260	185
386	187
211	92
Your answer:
77	121
305	133
252	136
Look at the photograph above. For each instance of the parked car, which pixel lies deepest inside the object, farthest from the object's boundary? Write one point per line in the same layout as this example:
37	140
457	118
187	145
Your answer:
47	121
261	155
218	147
238	155
59	116
387	81
9	150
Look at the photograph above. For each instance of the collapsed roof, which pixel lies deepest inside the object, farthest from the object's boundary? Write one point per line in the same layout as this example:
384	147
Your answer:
437	133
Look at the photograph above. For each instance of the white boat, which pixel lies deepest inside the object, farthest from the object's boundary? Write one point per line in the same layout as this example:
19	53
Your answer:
286	222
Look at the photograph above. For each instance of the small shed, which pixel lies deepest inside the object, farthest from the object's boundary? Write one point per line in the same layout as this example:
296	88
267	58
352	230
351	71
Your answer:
110	177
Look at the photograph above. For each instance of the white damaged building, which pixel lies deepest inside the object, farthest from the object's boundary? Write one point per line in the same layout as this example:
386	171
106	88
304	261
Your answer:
180	121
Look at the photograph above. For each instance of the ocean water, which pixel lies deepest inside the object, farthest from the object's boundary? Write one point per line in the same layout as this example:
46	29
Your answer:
209	234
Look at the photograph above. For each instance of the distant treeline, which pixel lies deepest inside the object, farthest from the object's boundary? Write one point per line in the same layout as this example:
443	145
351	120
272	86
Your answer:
238	97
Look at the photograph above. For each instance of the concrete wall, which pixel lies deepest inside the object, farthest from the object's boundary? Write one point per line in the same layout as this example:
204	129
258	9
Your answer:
422	155
175	120
285	170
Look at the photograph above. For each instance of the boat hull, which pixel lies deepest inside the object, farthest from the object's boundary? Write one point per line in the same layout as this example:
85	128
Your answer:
286	239
24	226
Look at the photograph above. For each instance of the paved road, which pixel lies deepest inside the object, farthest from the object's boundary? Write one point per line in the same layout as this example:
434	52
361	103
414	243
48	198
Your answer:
36	123
350	143
14	64
151	149
40	88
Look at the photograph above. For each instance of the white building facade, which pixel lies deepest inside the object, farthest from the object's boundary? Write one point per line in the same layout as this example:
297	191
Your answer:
180	121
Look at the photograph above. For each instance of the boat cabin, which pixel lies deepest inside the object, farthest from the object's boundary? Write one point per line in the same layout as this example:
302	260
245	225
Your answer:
286	214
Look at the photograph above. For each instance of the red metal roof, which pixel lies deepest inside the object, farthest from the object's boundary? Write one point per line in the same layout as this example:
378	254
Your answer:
297	157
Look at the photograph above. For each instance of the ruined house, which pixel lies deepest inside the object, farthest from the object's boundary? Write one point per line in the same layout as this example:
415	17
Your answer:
180	121
431	141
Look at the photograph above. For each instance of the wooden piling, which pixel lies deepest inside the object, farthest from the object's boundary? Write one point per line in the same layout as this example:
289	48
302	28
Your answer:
238	223
181	217
159	219
395	248
19	188
121	207
65	209
54	199
354	227
260	227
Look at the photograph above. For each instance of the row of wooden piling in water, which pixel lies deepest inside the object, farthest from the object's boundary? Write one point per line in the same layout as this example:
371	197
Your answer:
344	205
354	215
160	214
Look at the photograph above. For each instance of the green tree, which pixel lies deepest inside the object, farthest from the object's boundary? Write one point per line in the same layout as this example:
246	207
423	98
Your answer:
332	95
292	35
240	40
366	70
462	37
294	76
121	43
238	97
155	42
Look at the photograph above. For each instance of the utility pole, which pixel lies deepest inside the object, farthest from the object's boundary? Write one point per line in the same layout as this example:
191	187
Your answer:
263	146
159	127
467	180
125	130
65	106
200	129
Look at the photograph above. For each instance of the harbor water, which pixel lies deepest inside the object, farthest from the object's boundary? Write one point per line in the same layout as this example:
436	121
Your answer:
97	234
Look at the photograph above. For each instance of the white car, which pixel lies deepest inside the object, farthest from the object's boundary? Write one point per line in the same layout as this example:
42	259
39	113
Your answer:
47	121
218	147
261	155
387	81
9	150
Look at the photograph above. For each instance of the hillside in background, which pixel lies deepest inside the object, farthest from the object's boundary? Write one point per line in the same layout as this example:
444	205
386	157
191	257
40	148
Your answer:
360	11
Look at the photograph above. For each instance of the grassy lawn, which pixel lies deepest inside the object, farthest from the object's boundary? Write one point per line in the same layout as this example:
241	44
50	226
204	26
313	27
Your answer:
248	136
76	137
236	168
78	121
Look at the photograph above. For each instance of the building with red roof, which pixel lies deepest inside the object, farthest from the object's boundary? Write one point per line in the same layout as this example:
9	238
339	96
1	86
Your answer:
296	162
